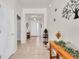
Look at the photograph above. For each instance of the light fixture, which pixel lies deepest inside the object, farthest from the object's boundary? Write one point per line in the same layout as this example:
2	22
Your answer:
72	7
34	18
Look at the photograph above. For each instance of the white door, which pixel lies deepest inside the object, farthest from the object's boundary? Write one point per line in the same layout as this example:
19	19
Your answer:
33	28
7	33
11	36
3	33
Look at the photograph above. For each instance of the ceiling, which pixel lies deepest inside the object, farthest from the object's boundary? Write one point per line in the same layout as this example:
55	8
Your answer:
35	3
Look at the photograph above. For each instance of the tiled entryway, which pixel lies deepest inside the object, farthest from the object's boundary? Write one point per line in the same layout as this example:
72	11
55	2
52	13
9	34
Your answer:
33	49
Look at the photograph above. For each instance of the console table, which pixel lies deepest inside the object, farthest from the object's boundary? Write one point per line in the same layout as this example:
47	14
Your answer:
59	52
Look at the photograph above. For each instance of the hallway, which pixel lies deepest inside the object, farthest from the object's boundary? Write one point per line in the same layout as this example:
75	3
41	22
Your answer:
33	49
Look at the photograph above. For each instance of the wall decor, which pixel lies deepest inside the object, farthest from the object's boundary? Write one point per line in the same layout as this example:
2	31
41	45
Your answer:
72	7
54	19
55	9
58	35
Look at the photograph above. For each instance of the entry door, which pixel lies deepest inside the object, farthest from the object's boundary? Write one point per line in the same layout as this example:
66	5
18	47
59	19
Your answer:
7	32
35	28
3	33
11	33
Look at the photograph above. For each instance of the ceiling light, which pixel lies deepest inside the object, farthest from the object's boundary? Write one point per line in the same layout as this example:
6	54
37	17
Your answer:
34	19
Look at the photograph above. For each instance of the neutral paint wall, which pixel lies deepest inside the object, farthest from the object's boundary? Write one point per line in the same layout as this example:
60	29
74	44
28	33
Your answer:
68	28
23	21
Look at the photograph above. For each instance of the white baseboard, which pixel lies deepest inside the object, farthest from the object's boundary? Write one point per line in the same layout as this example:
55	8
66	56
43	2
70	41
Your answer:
11	54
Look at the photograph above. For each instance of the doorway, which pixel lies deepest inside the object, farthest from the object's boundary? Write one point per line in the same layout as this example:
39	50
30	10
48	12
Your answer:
35	28
18	30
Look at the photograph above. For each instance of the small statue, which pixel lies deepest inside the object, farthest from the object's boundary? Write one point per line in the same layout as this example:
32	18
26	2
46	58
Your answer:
45	36
58	35
45	31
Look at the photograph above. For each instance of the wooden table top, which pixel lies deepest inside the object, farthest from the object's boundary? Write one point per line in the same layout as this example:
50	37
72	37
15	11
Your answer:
60	50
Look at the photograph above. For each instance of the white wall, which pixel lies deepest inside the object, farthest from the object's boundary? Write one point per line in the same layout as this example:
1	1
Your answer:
23	21
68	28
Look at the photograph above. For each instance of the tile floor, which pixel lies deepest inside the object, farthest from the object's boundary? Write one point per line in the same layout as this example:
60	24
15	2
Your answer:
33	49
